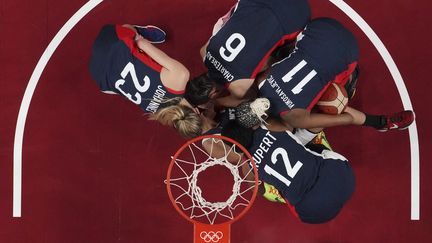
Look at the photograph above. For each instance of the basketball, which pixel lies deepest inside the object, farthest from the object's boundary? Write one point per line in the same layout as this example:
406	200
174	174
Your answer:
334	100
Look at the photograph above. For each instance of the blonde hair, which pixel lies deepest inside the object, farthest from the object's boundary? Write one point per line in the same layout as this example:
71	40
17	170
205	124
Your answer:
182	118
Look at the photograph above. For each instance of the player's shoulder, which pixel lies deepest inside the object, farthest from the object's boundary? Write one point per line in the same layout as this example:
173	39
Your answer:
327	27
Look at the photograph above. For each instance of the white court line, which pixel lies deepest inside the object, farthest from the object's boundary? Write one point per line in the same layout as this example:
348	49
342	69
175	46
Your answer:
414	143
19	131
28	94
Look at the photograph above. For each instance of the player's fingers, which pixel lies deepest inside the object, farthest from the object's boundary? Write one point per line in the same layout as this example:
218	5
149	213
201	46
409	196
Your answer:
138	37
196	110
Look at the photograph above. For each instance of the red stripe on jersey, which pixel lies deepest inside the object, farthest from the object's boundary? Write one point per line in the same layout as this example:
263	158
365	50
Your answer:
128	37
282	113
344	76
289	37
176	92
292	209
341	79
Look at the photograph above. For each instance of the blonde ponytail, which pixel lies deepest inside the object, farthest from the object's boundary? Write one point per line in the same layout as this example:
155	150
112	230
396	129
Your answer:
182	118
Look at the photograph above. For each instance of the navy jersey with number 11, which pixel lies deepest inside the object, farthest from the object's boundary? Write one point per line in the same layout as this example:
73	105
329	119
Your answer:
325	52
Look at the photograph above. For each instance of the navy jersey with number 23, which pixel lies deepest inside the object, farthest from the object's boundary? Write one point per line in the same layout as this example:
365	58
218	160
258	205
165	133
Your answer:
118	66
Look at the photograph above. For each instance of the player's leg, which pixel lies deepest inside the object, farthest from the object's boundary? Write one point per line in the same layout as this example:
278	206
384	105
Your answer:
397	121
400	121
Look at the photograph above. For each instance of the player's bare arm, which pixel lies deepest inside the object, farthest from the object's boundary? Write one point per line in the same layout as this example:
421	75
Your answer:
302	118
239	92
359	117
173	72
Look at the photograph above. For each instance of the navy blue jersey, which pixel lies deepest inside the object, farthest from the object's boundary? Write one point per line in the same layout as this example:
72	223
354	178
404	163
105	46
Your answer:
316	185
222	118
119	66
285	163
239	49
325	52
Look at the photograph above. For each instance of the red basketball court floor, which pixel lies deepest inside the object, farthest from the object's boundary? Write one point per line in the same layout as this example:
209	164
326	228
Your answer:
93	167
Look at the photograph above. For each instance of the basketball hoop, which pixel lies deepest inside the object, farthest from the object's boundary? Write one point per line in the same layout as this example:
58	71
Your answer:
191	165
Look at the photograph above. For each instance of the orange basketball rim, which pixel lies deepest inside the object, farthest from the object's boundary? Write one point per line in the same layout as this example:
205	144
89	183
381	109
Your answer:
212	219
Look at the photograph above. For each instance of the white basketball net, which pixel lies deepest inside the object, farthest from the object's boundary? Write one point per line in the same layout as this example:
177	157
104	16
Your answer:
199	208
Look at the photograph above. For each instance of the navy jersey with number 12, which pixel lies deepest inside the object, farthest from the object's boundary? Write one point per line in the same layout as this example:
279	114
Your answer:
315	185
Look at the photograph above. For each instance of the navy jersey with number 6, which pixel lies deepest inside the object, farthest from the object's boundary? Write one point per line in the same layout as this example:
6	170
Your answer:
239	49
325	52
118	65
316	185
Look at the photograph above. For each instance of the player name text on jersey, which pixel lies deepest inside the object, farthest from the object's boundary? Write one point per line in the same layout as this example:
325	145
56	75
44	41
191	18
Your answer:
280	92
226	74
264	147
157	98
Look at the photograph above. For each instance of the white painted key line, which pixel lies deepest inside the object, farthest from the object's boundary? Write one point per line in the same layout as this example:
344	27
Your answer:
84	10
28	94
406	101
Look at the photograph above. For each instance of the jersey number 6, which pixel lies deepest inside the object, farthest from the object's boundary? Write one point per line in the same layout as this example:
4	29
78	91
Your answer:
233	51
290	170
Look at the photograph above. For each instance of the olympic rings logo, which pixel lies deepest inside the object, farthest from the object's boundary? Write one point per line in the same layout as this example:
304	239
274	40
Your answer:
211	236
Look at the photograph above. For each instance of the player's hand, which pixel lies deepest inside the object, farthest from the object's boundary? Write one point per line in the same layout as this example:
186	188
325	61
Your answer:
196	110
138	37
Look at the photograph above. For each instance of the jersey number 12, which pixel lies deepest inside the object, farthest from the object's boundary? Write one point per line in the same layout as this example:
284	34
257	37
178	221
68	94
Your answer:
290	170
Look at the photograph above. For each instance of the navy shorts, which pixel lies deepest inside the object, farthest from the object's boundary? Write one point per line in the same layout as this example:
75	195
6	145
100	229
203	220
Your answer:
334	186
101	54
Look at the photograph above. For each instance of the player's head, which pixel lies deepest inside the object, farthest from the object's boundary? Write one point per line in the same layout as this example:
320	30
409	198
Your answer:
251	114
182	118
199	90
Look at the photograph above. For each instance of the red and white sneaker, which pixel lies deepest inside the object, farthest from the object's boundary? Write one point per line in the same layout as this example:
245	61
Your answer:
399	121
152	33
